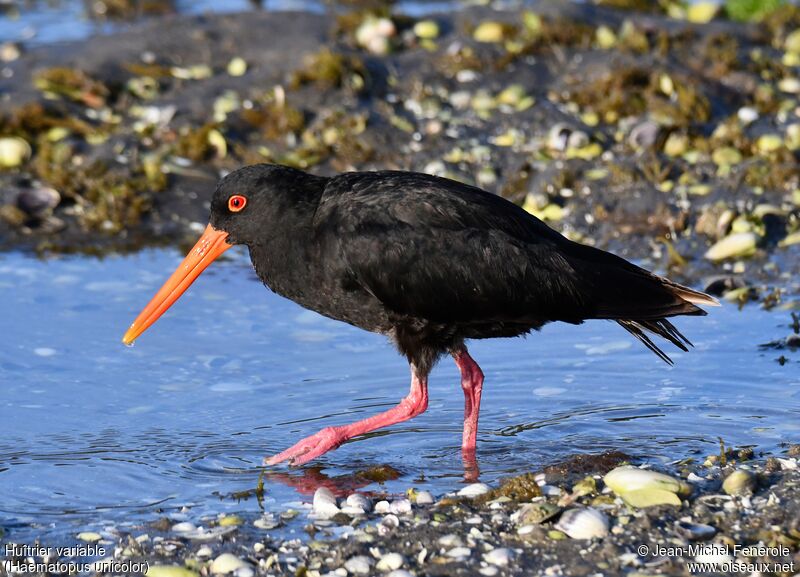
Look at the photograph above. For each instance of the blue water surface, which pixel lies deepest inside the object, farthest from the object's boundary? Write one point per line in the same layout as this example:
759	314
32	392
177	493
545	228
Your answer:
96	433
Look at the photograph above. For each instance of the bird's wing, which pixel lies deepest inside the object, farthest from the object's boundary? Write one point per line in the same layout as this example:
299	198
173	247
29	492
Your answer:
440	250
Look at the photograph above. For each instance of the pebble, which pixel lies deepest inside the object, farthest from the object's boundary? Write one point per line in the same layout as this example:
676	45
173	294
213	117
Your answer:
38	201
500	556
183	527
382	507
227	563
204	551
456	552
474	490
400	506
424	498
324	503
360	564
89	536
390	562
13	151
400	573
360	501
740	482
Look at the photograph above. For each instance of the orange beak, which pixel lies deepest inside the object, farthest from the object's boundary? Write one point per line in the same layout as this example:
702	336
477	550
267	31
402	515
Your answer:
212	244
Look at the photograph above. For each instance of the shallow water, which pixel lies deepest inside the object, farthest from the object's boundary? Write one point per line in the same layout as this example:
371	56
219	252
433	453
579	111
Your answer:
41	22
95	433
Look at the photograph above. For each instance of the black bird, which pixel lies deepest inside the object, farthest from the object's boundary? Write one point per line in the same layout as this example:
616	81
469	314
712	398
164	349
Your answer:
428	262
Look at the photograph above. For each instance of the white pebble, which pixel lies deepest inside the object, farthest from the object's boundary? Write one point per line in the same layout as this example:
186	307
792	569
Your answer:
424	498
382	507
353	511
474	490
400	506
500	556
227	563
459	552
359	564
204	551
324	504
489	571
390	562
450	540
358	500
747	115
551	491
184	527
400	573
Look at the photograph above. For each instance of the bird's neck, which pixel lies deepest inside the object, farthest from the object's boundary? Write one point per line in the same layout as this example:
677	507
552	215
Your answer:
284	257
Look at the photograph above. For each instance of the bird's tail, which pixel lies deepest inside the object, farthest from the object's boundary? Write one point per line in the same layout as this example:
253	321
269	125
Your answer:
640	301
687	305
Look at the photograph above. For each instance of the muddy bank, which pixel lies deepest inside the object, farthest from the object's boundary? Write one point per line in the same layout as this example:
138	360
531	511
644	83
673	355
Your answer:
590	513
655	137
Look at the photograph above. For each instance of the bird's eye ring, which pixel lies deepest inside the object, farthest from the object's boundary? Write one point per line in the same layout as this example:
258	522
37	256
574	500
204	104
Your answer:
236	203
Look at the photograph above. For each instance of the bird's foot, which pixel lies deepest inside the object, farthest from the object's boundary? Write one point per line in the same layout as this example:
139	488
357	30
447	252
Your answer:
309	448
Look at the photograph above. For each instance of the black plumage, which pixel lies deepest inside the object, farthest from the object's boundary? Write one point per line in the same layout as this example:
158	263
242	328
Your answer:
432	262
428	262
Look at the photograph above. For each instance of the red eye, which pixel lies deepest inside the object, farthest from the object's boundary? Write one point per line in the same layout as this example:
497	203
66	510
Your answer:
236	203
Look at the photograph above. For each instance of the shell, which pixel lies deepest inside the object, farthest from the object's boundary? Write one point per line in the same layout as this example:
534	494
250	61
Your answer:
38	201
627	478
474	490
489	32
324	503
740	482
227	563
390	562
427	29
736	245
536	512
500	557
583	523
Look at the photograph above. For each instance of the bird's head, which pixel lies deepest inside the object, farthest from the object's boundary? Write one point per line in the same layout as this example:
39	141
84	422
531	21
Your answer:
244	205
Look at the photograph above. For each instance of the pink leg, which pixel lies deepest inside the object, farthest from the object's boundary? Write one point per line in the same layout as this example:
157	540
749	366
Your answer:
331	437
472	384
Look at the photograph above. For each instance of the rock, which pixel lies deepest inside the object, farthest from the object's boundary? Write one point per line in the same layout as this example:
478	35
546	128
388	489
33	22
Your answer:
583	523
359	565
390	562
474	490
501	556
89	536
324	503
400	573
226	563
740	482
